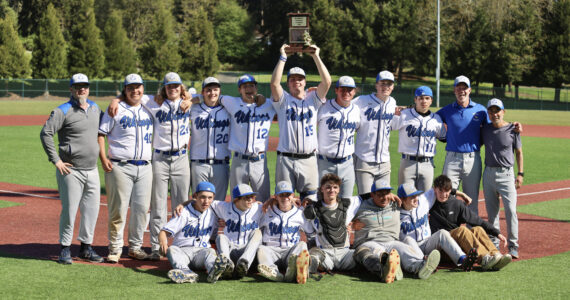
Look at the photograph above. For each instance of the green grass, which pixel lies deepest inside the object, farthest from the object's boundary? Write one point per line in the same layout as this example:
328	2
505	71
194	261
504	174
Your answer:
4	204
529	279
37	107
554	209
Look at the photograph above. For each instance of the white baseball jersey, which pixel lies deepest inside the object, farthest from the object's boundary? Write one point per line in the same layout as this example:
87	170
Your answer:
337	126
297	123
171	124
414	223
282	229
417	133
239	224
210	132
350	213
373	136
129	133
192	228
249	125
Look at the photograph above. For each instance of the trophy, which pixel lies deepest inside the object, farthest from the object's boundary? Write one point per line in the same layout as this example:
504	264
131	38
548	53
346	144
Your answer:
299	38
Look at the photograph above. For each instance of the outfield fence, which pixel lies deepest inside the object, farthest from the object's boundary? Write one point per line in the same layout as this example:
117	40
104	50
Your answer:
535	98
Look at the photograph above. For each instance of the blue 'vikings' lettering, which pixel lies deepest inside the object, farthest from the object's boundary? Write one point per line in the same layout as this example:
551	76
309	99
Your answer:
275	229
338	124
293	116
232	226
128	122
407	227
242	117
414	132
190	230
371	114
163	116
204	123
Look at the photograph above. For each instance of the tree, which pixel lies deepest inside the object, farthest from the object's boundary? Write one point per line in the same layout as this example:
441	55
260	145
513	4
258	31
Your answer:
13	60
86	49
198	48
49	58
234	30
120	53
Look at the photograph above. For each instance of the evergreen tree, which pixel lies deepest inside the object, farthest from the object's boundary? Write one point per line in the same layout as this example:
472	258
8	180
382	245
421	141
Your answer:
49	58
198	48
233	29
14	63
86	49
120	55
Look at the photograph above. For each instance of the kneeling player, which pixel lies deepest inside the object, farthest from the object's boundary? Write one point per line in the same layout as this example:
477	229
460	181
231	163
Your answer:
191	246
281	225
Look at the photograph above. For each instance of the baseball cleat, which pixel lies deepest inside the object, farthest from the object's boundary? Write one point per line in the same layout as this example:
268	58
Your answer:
470	259
229	272
430	265
291	268
220	265
488	261
269	273
503	262
90	255
390	265
514	252
138	254
241	268
65	256
113	257
154	256
303	267
182	276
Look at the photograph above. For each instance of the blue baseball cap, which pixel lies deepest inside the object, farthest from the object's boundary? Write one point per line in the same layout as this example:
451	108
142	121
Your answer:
242	190
408	190
283	187
171	78
495	102
78	78
133	79
385	75
205	186
423	91
346	81
462	79
245	79
380	185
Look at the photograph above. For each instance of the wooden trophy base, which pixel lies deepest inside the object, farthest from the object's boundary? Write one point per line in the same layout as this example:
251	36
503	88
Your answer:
298	48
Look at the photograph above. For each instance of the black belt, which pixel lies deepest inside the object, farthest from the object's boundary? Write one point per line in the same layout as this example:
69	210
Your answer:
182	151
296	155
417	158
212	161
258	157
334	160
132	162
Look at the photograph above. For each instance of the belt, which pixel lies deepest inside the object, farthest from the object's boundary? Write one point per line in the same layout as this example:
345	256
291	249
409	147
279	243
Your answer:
296	155
132	162
417	158
334	160
258	157
179	152
212	161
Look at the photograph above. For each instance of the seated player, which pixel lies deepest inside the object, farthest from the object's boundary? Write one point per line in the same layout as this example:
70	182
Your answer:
377	228
449	213
191	246
282	246
415	230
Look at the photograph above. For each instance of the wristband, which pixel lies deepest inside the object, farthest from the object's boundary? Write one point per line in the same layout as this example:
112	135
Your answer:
283	58
521	174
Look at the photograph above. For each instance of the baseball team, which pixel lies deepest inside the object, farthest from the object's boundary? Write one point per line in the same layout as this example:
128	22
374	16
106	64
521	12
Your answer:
325	148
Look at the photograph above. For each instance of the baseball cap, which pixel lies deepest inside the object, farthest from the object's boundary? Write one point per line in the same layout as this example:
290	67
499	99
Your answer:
408	190
462	79
385	75
133	79
495	102
210	80
283	187
245	79
205	186
380	185
296	71
171	78
192	91
242	190
78	78
346	81
423	91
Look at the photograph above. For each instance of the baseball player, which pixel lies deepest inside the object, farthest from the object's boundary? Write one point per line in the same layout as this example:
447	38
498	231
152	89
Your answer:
372	161
338	120
449	213
128	172
191	245
209	153
419	130
76	123
498	178
281	225
377	229
415	230
297	115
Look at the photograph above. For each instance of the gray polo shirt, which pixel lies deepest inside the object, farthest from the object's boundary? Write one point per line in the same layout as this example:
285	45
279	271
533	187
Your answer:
500	144
381	224
76	131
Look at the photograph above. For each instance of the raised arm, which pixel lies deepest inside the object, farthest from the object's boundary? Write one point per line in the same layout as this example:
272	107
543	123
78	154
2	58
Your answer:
276	88
325	83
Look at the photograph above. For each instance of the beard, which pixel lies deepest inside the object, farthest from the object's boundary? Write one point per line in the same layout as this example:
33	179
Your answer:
82	99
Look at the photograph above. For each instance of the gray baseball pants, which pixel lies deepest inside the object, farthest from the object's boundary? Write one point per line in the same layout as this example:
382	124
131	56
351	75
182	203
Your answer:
420	174
340	259
235	251
216	174
344	170
254	173
501	181
368	172
302	173
442	241
276	257
411	259
465	168
191	258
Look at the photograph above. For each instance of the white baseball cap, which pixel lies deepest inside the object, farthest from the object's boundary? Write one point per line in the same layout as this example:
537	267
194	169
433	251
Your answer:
385	75
462	79
296	71
133	79
192	91
380	185
78	78
210	80
242	190
171	78
495	102
346	81
283	187
408	190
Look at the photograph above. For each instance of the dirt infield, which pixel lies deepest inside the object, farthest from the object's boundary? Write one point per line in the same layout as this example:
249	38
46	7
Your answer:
32	229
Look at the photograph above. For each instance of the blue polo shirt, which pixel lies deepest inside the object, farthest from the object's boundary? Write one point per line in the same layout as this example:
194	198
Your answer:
463	126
